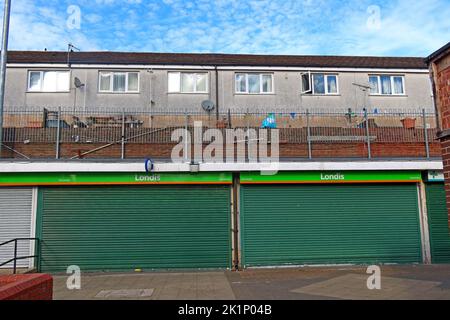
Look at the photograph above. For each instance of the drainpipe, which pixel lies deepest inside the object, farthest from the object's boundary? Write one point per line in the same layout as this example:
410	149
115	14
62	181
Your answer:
4	54
235	221
217	92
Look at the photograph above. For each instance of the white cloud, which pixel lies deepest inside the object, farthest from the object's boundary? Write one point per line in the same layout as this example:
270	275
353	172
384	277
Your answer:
235	26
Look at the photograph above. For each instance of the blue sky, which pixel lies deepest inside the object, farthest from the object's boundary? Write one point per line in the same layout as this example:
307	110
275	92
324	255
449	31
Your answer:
330	27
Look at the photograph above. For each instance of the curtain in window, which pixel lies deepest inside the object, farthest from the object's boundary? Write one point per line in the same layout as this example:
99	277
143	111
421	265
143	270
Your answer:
319	83
253	83
49	84
105	82
373	81
332	84
35	81
119	82
188	81
267	83
241	85
133	82
398	85
201	82
386	85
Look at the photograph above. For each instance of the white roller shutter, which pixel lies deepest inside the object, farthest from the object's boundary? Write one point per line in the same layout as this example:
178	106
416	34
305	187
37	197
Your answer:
15	222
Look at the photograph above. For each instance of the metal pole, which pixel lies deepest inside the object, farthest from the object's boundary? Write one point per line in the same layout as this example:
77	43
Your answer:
15	256
308	135
122	154
58	133
425	130
6	16
186	133
369	153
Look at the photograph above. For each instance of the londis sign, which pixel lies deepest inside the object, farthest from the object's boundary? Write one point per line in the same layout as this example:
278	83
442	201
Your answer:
312	177
111	178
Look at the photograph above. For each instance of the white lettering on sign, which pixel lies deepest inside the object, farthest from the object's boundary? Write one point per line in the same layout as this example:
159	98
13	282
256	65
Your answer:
327	177
152	178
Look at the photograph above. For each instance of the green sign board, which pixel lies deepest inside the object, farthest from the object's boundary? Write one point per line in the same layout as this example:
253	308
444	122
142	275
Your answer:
111	178
331	177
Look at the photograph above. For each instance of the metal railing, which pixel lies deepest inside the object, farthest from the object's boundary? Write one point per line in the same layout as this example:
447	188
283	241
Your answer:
59	126
14	260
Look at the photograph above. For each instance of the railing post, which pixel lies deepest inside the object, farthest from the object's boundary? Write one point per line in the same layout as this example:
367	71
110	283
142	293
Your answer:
122	153
58	132
15	257
366	118
186	133
38	251
425	131
308	135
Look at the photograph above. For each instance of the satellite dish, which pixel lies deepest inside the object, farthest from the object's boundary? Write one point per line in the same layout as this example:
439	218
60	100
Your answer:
78	83
208	105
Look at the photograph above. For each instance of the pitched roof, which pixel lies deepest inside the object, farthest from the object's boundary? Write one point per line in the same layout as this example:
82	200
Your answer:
136	58
439	53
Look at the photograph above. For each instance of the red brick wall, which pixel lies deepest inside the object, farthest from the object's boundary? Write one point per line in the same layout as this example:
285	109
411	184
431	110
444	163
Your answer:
443	95
26	287
287	150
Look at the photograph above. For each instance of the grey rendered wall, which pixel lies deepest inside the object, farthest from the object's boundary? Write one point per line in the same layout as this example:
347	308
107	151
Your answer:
154	96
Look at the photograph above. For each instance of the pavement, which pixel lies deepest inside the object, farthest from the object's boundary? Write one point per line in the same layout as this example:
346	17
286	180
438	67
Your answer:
404	282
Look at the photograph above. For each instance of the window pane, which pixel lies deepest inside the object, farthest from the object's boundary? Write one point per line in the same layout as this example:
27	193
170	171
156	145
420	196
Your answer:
267	83
174	82
240	83
133	82
253	83
306	85
332	84
373	81
119	82
386	85
105	82
202	82
398	85
188	81
49	84
319	83
35	81
63	81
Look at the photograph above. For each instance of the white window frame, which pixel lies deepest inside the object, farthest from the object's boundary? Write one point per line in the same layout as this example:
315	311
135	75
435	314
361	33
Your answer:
311	90
111	81
195	84
391	76
326	75
41	72
261	75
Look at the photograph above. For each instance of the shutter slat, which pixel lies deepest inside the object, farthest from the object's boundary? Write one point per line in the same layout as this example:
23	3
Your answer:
329	224
148	227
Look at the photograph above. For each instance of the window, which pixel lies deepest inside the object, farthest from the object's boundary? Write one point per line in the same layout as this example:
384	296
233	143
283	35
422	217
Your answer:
254	83
387	85
49	81
119	82
319	83
184	82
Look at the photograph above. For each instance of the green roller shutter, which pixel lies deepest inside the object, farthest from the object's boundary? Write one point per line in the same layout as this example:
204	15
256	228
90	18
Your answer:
128	227
329	224
438	223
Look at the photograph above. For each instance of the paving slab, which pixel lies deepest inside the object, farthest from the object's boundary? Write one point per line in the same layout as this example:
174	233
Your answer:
147	286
